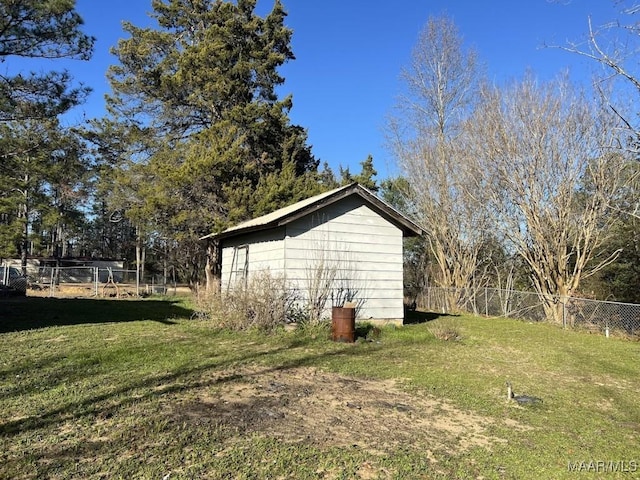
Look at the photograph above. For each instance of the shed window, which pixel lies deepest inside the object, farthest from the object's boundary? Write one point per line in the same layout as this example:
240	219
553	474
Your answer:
239	266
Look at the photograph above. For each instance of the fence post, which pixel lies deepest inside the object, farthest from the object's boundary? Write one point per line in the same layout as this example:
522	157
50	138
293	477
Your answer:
96	278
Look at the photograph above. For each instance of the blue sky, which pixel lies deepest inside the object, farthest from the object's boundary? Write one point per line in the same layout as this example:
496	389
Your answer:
349	54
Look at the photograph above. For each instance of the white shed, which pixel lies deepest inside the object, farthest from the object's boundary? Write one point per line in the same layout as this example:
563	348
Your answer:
345	240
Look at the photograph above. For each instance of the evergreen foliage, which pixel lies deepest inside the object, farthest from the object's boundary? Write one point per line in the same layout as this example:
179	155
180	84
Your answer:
43	177
198	133
364	178
367	174
42	169
40	29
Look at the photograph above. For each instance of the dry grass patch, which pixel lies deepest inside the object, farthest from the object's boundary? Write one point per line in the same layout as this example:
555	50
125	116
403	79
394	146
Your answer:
447	329
326	409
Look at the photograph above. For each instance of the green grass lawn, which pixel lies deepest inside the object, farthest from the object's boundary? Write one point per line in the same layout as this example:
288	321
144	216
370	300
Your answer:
138	389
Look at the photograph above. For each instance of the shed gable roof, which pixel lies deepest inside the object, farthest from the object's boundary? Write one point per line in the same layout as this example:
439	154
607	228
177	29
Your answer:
310	205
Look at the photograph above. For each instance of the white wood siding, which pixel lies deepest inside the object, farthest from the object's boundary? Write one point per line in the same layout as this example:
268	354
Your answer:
364	247
265	253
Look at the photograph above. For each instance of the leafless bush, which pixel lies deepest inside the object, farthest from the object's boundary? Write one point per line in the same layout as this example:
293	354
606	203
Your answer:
320	279
347	294
331	279
265	303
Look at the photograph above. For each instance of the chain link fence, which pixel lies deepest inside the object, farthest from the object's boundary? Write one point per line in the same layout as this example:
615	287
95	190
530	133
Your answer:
55	281
594	315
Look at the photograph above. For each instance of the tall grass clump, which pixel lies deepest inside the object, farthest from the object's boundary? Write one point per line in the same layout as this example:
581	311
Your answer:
447	329
263	302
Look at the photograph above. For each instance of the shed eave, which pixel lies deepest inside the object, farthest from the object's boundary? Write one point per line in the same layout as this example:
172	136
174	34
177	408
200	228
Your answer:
290	214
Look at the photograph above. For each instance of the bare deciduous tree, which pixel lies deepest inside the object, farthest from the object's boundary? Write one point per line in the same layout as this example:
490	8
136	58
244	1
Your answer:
442	82
615	46
549	173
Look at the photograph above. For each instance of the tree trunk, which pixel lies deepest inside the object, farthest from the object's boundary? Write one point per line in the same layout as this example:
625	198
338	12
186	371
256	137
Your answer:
25	230
554	298
213	267
165	264
64	247
140	255
25	242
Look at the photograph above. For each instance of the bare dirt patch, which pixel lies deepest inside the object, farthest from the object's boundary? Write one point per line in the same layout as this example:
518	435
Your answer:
326	409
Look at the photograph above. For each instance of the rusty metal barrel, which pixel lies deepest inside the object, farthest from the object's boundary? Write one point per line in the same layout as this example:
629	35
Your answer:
343	324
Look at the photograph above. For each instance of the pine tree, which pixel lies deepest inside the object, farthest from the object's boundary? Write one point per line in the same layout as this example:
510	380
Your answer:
40	164
43	177
364	178
40	29
367	174
195	101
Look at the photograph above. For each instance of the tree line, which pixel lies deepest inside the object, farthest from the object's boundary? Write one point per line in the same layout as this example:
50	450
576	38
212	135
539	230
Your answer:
532	184
195	137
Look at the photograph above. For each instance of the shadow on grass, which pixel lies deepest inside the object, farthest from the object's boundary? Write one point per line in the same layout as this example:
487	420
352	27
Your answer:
412	317
29	313
208	374
174	412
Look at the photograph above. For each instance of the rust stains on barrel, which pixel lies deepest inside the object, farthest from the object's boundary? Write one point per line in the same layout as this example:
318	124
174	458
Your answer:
343	324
